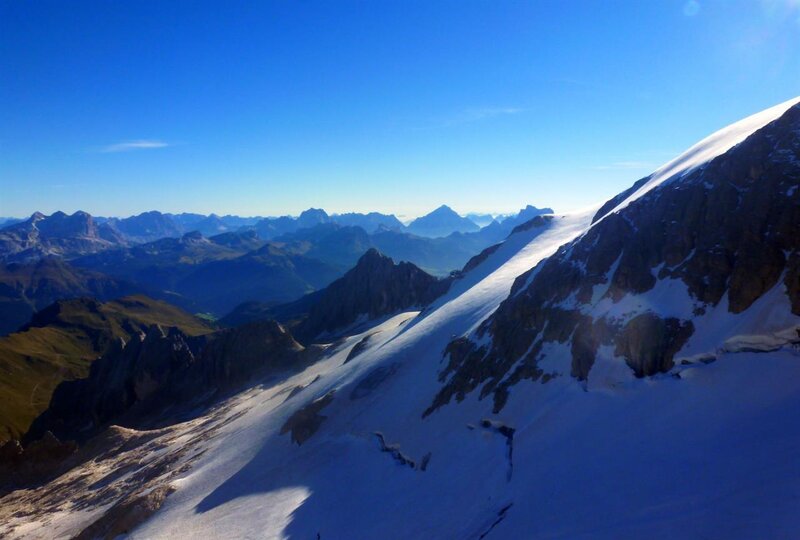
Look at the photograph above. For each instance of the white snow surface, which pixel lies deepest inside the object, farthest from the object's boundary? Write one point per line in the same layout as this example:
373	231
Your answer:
710	451
712	146
712	454
234	492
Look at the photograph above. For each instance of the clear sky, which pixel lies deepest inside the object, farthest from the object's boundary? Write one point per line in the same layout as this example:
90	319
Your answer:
265	108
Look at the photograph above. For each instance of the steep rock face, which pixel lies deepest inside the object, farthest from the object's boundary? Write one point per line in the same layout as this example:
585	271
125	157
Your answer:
231	356
126	375
648	343
376	286
61	341
311	217
640	278
136	380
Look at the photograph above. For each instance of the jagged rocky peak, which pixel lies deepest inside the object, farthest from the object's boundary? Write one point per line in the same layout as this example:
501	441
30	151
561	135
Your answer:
654	272
374	257
375	287
62	225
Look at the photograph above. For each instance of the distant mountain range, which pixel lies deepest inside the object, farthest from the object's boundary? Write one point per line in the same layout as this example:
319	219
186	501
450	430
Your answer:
272	261
80	233
58	234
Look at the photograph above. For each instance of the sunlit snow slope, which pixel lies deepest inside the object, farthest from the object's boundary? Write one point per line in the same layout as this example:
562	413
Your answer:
712	146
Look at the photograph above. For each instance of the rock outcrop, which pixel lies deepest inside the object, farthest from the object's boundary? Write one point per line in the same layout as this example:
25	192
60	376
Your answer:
61	341
728	230
305	422
135	382
36	462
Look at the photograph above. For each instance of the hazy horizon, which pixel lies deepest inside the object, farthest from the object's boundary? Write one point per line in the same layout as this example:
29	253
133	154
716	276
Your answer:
405	218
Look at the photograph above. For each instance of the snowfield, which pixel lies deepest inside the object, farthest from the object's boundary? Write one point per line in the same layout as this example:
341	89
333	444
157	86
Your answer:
709	450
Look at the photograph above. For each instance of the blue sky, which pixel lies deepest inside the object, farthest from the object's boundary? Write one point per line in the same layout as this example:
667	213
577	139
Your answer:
266	108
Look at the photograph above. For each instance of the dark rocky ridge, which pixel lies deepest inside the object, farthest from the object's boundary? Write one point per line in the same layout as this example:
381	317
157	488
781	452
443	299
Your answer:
136	382
375	287
62	340
730	228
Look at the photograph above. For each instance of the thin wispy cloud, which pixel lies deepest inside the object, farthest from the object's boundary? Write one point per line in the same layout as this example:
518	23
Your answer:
484	113
128	146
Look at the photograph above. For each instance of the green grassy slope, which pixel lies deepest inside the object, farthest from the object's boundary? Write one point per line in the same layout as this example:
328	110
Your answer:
60	343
